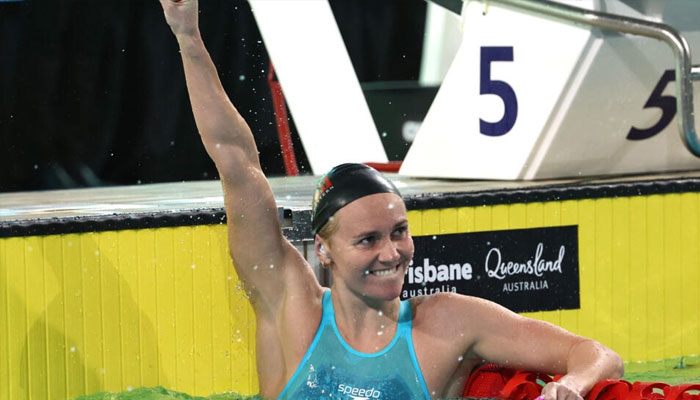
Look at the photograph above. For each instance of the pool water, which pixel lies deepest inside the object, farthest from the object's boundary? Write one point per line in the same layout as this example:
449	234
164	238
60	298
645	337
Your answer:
673	376
161	393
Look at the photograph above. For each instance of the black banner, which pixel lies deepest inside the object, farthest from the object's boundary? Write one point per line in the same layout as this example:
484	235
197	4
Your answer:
522	269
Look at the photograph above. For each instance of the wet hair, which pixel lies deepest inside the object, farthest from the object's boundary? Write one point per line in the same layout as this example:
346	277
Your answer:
341	186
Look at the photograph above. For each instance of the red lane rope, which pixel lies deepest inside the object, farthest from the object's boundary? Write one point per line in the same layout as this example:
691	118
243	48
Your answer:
493	381
282	120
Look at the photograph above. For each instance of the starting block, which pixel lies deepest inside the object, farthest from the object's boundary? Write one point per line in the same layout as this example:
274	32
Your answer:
535	96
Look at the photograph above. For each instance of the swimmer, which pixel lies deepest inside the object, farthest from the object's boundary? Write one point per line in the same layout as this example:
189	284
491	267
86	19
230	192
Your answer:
357	339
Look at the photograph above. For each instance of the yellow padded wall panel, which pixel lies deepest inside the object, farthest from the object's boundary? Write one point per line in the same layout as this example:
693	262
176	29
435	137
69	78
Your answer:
4	338
654	295
602	283
620	276
36	316
17	321
639	308
569	216
107	311
672	275
147	267
690	273
586	251
111	301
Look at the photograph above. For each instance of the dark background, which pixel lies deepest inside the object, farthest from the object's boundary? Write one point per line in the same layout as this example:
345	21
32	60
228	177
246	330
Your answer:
93	92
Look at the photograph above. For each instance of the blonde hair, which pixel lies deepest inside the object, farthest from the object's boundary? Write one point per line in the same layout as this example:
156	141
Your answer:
329	229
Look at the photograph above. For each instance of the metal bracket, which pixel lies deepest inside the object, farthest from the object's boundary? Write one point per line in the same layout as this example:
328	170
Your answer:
296	225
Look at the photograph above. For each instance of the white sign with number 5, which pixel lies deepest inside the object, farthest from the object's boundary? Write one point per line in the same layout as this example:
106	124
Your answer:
530	97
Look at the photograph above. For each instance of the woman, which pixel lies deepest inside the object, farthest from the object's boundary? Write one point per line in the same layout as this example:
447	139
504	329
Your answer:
357	340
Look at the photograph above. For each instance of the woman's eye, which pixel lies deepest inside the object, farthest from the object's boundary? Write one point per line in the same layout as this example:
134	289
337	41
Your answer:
367	240
400	231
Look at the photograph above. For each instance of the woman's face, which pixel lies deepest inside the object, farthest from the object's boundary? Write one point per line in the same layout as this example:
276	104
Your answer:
371	247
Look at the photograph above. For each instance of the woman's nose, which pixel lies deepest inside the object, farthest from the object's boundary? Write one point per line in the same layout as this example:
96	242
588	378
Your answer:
388	253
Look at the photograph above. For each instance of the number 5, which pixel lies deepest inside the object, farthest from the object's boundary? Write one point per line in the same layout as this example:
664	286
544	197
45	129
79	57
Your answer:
667	104
500	89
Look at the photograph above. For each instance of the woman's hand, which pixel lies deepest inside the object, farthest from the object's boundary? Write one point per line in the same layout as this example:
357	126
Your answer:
181	15
559	391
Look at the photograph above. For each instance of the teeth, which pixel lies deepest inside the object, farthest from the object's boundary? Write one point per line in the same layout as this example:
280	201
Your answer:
384	272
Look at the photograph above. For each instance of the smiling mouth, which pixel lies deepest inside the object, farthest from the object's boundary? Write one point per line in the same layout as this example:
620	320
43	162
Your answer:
383	272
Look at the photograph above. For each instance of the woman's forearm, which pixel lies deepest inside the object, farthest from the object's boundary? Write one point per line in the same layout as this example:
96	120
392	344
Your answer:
588	363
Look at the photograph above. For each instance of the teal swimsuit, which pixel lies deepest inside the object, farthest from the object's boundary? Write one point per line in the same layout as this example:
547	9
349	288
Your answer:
331	369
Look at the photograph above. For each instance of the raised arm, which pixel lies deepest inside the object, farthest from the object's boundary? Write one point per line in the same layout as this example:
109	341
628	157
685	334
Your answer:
261	254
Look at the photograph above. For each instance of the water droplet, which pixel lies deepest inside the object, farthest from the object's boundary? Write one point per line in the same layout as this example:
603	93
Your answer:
36	166
30	248
380	313
241	77
380	333
255	267
272	266
97	252
384	134
72	349
434	237
129	388
229	277
390	206
460	358
193	266
218	145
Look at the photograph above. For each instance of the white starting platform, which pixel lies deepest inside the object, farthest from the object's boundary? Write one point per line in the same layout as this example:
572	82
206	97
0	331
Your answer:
540	89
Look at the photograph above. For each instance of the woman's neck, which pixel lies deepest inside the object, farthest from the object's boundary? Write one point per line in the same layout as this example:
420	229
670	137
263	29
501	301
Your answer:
367	325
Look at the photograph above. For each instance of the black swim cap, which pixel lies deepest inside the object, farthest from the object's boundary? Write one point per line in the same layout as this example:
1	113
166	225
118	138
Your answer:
342	185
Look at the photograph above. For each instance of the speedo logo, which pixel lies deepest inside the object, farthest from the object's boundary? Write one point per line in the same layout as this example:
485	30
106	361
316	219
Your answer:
442	273
356	393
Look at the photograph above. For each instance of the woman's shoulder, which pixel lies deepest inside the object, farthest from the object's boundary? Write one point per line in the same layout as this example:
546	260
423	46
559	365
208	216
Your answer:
451	308
446	300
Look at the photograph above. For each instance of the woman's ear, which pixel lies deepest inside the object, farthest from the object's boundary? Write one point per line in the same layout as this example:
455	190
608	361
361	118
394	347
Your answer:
322	251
